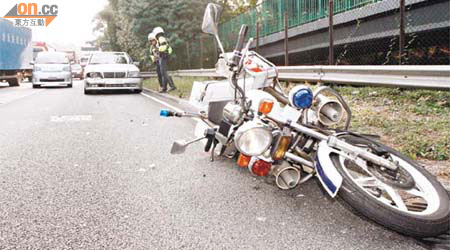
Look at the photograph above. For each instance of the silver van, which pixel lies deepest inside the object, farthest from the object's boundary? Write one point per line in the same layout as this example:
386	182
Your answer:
51	69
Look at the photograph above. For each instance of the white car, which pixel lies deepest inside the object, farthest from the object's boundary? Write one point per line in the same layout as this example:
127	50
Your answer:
111	70
51	69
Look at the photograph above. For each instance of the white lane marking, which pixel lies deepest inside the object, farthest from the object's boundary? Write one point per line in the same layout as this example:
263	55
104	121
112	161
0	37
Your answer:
16	96
71	118
163	103
170	106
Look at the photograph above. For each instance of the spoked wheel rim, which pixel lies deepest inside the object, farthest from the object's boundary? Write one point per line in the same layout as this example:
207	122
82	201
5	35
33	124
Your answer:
421	199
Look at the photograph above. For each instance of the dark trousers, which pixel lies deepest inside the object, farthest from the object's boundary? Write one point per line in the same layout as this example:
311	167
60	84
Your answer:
166	79
158	72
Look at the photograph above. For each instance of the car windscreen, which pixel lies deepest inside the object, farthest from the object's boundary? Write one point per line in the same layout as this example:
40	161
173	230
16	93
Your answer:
51	58
108	59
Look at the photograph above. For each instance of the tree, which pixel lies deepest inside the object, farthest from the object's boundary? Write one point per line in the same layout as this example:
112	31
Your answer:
125	24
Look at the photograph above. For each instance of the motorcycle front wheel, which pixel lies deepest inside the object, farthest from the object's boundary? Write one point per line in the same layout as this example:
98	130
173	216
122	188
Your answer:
410	201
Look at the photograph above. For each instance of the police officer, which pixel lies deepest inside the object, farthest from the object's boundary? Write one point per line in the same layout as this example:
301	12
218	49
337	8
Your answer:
155	58
164	51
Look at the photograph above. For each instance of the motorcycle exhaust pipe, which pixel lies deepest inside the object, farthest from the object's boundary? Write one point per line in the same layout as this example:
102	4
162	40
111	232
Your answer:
286	176
329	111
279	96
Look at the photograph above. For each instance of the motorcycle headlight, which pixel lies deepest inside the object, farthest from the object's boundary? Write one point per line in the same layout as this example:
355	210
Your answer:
133	74
66	68
301	97
253	139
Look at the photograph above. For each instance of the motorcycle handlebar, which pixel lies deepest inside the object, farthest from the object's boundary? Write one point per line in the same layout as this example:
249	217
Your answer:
169	113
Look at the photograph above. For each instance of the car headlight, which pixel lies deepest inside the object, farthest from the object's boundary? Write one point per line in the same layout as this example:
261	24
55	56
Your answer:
133	74
253	139
301	97
37	68
94	75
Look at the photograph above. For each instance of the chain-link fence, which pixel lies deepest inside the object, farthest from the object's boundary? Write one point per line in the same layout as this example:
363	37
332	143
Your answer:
364	32
198	52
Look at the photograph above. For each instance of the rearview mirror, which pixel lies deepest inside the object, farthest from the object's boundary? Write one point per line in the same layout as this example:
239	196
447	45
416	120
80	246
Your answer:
136	64
211	19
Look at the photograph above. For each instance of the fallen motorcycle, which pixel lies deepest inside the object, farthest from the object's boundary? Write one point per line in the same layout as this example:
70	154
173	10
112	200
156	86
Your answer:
305	133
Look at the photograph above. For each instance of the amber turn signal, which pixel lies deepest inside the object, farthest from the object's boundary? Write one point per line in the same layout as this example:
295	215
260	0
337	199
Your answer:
282	148
265	106
243	160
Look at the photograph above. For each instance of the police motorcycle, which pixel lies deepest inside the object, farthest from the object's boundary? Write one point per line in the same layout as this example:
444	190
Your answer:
303	134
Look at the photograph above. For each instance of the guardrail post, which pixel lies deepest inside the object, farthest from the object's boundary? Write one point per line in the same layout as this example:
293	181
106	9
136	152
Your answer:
286	39
215	49
188	55
257	37
201	51
330	31
402	32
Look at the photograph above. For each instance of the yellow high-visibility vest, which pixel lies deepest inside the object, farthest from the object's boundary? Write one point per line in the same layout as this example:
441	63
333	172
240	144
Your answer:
164	46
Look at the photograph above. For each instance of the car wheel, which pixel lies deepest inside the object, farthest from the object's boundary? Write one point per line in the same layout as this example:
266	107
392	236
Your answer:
69	85
14	82
137	91
87	92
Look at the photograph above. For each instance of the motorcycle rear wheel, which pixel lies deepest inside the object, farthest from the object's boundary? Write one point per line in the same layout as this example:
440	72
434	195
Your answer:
420	211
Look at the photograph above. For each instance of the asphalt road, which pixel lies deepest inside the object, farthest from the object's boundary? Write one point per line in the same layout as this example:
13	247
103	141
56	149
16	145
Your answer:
94	172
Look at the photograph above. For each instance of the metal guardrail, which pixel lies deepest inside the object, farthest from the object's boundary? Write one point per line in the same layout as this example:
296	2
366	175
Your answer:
189	72
431	77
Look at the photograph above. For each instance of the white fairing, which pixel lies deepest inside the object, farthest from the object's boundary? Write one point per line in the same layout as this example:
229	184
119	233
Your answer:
203	93
286	113
196	98
326	172
200	129
256	96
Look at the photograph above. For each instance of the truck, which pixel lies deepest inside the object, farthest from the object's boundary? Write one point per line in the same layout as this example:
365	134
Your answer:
16	53
38	47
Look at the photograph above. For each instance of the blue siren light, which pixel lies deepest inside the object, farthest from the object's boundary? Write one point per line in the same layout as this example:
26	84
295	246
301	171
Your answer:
302	98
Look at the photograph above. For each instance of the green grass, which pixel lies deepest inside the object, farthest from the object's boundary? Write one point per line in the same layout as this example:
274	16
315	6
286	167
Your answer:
183	84
421	102
415	122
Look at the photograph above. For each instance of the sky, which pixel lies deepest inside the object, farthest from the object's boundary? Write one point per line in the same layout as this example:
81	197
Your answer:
73	25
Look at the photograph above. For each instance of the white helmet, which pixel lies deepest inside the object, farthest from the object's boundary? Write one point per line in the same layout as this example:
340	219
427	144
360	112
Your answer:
151	36
158	30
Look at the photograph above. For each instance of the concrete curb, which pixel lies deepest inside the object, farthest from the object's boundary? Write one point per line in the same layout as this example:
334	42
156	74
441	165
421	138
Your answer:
181	102
162	95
